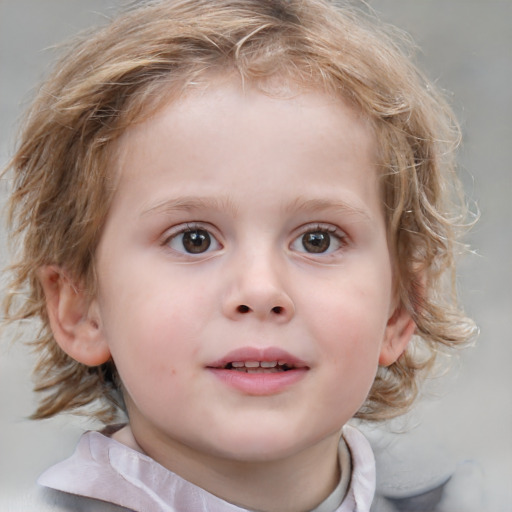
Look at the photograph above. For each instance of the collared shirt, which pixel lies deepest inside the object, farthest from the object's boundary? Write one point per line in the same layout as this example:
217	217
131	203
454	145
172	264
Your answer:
104	469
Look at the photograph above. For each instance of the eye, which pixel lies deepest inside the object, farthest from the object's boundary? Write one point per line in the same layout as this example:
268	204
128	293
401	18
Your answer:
320	240
193	240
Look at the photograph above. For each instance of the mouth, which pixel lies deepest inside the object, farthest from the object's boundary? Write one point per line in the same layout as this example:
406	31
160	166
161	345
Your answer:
257	360
260	366
259	371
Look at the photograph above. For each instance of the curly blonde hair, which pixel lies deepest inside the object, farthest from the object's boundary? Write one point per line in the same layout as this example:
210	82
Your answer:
123	72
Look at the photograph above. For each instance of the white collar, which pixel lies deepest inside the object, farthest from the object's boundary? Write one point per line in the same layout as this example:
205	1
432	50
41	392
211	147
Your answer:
107	470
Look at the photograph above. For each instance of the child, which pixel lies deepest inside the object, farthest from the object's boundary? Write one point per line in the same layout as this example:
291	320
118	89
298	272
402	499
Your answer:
233	215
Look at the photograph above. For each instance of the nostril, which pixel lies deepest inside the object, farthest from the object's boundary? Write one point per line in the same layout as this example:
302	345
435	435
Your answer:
277	310
243	309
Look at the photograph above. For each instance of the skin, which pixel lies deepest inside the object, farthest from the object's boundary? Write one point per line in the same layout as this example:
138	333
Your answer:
258	175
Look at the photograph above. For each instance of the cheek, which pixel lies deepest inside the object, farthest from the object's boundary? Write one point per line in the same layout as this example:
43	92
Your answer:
151	353
349	311
348	325
150	335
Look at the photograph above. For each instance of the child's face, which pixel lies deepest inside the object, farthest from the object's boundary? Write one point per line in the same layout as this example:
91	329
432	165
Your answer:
246	229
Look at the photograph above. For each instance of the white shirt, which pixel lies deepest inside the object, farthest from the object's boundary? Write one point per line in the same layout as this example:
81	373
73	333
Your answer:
107	470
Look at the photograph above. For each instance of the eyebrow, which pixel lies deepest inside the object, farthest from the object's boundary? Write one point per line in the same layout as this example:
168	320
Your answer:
191	203
324	204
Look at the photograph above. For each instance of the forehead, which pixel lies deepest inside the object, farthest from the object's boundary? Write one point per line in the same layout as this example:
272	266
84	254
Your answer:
222	101
225	127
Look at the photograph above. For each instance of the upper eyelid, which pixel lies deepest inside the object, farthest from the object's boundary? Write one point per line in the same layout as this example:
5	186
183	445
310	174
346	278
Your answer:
310	226
189	226
212	230
343	239
174	231
320	226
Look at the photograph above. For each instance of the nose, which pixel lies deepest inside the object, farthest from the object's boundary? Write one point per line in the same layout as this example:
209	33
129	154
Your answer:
257	289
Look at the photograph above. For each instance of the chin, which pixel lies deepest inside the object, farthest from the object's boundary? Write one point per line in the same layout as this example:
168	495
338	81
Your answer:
258	446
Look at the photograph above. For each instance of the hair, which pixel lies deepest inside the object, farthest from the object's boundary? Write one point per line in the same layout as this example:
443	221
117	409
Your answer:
124	71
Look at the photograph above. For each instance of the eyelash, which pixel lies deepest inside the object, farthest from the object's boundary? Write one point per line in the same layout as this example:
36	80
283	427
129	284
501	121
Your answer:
297	244
173	235
339	235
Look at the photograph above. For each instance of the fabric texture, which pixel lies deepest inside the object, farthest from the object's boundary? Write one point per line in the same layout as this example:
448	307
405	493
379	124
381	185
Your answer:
106	470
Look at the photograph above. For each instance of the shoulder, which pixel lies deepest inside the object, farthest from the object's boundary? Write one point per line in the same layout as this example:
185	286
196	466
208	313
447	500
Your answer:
44	499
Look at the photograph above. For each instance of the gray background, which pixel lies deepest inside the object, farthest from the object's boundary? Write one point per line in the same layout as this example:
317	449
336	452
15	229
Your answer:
466	47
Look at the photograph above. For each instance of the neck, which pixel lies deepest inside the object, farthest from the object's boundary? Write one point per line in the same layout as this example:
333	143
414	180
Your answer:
296	483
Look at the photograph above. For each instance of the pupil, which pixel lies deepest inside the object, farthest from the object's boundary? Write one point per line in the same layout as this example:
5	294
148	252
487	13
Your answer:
316	241
196	241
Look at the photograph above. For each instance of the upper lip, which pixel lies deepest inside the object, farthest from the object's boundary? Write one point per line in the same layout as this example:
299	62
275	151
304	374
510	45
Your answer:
267	354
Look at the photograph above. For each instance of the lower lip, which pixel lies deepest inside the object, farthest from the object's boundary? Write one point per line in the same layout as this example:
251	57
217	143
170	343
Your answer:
259	384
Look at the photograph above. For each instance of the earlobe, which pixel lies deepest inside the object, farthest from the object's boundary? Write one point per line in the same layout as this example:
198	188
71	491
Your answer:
74	319
399	331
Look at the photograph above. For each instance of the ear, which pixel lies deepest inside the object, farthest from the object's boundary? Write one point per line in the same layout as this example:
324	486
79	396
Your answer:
74	319
399	331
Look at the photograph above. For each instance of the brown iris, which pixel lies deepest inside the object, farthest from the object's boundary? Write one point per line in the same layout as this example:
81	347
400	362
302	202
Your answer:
316	241
196	241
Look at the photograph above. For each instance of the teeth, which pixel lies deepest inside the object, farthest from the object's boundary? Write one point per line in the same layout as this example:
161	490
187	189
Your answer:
258	366
261	370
